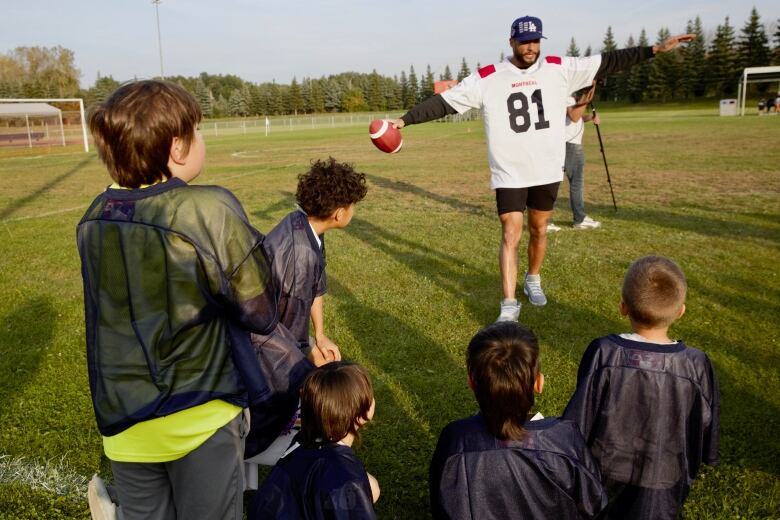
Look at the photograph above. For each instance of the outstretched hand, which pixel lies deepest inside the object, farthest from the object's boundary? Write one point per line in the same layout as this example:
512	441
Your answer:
398	123
672	42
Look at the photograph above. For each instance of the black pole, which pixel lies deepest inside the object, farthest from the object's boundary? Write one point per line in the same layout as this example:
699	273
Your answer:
604	156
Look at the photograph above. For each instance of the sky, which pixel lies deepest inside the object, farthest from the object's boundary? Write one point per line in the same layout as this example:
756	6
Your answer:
265	40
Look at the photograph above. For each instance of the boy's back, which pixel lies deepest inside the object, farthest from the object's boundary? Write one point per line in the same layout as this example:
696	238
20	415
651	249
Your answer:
163	268
298	265
548	474
650	414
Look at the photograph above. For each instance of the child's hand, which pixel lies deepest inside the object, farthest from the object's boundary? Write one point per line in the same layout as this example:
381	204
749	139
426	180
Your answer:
324	351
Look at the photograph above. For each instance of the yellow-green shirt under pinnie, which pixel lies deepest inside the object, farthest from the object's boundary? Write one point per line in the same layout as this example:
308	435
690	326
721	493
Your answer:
171	437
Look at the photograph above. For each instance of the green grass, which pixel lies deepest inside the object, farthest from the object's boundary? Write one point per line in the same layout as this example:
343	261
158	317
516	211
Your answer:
415	275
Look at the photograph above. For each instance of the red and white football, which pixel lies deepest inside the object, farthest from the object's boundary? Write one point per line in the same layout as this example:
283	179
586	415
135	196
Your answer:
385	136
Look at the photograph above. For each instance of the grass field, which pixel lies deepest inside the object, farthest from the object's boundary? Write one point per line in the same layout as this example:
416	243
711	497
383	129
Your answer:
415	275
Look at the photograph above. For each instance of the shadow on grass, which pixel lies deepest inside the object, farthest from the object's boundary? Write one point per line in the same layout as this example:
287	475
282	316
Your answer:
477	289
287	202
413	379
406	187
702	225
20	203
25	334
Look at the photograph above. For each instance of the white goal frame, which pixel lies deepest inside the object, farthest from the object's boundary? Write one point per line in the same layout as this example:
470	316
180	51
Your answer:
58	100
759	75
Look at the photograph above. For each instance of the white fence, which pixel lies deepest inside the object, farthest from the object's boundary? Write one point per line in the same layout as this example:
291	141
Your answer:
277	124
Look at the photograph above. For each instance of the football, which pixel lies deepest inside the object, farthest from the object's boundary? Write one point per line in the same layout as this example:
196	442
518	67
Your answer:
385	136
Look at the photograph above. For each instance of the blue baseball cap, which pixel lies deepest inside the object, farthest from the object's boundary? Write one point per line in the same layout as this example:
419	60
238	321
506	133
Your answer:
526	28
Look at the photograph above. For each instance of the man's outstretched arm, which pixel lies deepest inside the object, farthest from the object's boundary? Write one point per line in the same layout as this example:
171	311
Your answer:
432	108
616	61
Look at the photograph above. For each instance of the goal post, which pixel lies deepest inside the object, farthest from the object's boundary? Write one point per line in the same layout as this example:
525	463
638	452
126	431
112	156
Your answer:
756	75
26	122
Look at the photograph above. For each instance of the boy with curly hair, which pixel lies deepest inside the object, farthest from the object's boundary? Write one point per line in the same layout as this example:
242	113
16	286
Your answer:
326	198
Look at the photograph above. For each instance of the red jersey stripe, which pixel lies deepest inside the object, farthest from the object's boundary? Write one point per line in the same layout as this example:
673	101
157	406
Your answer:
553	59
486	71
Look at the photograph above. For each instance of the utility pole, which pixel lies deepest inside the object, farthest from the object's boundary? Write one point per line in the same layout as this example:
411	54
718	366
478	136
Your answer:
159	40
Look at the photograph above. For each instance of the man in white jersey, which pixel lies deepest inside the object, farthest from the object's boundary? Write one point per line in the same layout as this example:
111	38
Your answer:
524	100
574	166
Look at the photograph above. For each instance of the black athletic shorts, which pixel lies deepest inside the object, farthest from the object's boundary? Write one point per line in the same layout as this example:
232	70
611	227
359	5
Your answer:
541	198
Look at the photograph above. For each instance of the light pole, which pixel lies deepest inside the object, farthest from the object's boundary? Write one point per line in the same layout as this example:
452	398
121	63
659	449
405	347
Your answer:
159	40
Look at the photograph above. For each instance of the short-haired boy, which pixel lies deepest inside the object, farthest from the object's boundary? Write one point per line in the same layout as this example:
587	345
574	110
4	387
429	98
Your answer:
175	279
326	197
319	477
500	463
648	406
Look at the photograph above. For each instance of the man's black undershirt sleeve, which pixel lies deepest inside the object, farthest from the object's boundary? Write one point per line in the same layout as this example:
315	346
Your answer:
432	108
616	61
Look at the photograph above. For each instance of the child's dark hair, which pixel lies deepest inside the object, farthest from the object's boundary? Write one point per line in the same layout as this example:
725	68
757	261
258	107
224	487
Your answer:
329	185
654	291
135	126
502	362
334	397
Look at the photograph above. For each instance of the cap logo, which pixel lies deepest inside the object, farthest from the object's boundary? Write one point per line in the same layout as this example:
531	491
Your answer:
524	27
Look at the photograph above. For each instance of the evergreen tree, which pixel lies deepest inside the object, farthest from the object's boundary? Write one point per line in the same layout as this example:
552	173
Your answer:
332	95
316	96
753	46
622	80
426	85
237	103
414	90
394	93
693	64
405	95
447	76
723	75
607	91
665	72
776	41
588	52
258	103
295	102
376	95
276	103
637	77
220	106
203	96
573	50
464	70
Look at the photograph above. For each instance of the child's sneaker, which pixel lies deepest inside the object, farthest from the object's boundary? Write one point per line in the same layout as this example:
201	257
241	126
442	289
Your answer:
510	310
532	287
587	223
552	228
100	504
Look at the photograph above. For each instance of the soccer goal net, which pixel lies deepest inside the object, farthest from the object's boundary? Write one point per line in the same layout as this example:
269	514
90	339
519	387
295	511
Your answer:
48	123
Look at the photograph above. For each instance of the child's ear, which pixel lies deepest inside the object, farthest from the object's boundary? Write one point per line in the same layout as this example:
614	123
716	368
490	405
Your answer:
539	383
682	311
177	154
623	308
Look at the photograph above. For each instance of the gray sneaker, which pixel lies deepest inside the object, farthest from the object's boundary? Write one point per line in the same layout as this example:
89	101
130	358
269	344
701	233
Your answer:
510	310
532	287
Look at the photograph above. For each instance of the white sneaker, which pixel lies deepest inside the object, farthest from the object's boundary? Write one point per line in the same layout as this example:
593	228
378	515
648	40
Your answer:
587	223
552	228
100	505
510	310
532	287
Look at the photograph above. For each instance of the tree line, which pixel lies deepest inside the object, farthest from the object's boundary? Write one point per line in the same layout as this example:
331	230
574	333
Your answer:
700	69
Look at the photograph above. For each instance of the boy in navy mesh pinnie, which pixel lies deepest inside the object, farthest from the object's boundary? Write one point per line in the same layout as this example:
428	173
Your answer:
175	279
326	197
319	477
501	463
648	406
